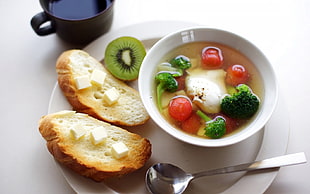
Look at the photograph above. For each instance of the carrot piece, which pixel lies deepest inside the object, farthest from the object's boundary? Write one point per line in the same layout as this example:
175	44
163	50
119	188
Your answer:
192	124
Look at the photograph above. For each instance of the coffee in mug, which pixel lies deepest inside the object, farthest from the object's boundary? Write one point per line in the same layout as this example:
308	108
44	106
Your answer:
75	21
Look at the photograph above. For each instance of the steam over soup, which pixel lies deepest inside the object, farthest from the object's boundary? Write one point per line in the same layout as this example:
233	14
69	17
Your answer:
207	89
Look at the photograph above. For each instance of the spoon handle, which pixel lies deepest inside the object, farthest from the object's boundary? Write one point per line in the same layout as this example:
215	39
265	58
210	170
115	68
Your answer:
286	160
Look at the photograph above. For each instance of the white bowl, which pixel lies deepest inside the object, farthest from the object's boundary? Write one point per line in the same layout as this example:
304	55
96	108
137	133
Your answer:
146	82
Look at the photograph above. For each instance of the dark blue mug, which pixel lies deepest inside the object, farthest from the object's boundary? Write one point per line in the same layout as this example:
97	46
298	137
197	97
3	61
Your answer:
76	23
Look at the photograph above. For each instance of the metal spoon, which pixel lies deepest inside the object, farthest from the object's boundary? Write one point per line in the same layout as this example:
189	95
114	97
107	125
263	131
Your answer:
163	178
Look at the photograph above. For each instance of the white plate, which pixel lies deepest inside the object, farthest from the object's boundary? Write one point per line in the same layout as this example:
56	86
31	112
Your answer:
269	142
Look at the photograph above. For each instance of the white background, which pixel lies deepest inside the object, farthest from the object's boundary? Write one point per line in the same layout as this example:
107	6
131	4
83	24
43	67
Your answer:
281	29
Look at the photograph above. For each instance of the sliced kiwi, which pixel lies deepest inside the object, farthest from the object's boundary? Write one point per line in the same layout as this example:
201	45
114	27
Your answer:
123	57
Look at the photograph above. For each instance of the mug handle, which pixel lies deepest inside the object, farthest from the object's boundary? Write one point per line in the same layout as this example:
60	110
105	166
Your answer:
40	19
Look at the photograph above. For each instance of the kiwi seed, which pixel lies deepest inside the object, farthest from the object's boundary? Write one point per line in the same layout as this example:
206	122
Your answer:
123	57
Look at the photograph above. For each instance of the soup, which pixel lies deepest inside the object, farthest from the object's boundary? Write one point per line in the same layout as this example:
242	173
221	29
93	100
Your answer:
207	77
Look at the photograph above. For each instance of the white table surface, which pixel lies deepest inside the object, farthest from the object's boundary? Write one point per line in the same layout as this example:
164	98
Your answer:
281	29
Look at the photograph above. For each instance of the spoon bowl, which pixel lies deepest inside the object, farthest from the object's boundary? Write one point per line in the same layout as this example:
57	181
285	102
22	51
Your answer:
169	179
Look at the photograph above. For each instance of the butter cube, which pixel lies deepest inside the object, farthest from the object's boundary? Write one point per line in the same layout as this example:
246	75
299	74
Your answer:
111	96
77	132
82	82
119	150
98	135
97	77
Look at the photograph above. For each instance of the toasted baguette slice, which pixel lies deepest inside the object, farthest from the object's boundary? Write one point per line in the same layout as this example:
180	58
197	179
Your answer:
82	155
127	111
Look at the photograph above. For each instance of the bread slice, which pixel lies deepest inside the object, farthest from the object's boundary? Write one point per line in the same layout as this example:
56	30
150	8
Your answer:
82	155
127	111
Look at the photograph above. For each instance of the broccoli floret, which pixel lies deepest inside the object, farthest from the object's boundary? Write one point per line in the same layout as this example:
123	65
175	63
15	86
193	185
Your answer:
240	105
215	128
181	62
166	82
165	78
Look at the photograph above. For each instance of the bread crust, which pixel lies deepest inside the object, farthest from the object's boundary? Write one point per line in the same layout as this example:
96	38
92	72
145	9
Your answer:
58	144
84	100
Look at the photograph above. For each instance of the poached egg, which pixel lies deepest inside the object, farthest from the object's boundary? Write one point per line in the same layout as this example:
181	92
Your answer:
206	88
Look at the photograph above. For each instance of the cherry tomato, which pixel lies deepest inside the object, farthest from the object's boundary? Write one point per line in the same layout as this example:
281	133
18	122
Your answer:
236	74
180	108
192	124
212	58
231	124
181	82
